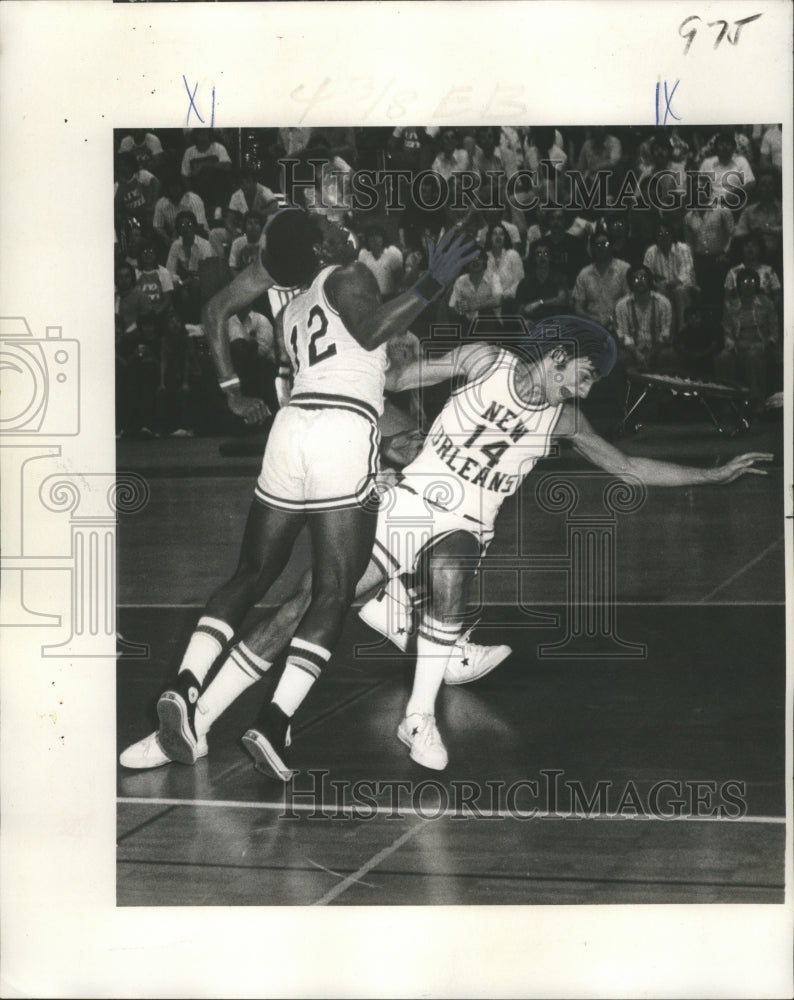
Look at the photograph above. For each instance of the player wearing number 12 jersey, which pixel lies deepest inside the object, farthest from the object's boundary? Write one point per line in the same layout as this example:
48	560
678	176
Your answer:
322	453
318	471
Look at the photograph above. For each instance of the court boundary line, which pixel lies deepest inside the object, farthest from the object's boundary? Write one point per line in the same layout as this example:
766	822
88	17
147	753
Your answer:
401	813
740	572
374	861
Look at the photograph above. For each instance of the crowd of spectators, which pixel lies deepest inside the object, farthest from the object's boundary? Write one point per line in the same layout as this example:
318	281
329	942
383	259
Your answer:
693	288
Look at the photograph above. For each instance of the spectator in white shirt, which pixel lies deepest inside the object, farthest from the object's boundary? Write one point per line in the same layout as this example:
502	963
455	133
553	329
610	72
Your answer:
177	199
184	257
772	148
135	194
764	218
146	148
204	155
206	167
452	159
252	196
222	237
643	321
384	260
477	293
245	248
730	170
768	281
503	260
673	271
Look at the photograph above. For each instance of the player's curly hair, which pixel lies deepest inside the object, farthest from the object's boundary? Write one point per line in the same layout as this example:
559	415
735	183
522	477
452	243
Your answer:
580	337
289	255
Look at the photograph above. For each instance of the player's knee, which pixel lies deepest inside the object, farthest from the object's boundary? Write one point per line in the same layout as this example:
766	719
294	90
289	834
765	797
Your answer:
334	591
449	592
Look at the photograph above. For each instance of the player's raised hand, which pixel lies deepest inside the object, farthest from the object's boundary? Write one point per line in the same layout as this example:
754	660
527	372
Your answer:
740	466
447	258
251	409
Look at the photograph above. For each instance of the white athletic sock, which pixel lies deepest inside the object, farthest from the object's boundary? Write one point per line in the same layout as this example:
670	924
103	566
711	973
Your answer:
209	637
435	641
305	661
239	671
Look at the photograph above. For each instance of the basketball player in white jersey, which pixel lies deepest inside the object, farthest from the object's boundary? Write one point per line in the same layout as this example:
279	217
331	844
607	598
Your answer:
320	460
488	437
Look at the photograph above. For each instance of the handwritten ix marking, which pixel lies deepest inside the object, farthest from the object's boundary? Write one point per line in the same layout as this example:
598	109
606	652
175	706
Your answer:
661	119
192	104
724	31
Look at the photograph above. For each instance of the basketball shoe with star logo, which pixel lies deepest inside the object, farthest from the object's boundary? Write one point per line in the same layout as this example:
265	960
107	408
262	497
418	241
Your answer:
176	709
420	735
393	618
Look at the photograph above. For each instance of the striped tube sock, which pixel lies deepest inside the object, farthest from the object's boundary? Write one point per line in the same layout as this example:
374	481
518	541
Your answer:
238	672
208	639
435	641
305	661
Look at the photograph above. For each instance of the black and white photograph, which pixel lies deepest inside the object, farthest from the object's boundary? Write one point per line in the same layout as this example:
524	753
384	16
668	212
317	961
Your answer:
457	428
398	516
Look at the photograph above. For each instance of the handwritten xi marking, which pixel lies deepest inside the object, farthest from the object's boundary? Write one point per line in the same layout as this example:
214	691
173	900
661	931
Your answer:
192	105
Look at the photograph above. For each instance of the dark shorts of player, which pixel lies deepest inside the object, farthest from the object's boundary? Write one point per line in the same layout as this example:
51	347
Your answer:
321	455
409	524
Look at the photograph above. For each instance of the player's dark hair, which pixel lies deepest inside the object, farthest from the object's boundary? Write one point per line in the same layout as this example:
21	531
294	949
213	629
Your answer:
289	255
579	337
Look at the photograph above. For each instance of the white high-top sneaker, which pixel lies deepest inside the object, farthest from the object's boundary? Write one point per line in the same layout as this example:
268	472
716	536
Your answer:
469	662
148	753
390	613
420	734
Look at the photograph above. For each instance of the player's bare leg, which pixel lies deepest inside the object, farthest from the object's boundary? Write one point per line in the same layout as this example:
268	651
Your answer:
248	660
447	570
266	547
341	545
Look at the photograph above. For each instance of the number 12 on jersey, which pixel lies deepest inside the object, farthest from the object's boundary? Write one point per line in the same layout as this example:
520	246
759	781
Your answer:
317	350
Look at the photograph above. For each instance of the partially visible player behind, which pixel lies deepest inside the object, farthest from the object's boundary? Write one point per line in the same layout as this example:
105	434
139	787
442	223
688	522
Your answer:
488	437
319	466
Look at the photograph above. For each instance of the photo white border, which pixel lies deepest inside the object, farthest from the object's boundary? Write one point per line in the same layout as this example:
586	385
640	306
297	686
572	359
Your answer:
69	73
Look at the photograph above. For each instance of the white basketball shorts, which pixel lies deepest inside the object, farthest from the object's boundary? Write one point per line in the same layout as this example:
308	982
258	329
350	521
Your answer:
318	459
408	523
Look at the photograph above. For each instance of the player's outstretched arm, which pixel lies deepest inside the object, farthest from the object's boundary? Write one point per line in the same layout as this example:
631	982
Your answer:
356	296
239	294
648	470
469	361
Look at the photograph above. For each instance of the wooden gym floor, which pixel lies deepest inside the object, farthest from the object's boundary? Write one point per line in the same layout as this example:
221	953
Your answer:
699	719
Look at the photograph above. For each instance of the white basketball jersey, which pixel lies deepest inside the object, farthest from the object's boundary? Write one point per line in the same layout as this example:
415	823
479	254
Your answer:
482	445
331	368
